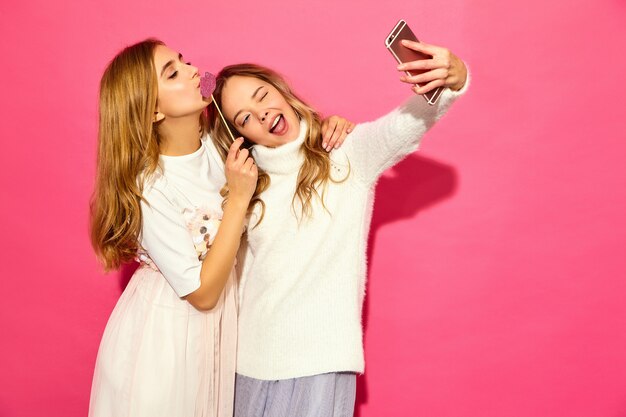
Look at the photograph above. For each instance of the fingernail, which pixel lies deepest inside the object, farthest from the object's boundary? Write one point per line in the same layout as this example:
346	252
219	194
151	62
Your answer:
401	66
324	145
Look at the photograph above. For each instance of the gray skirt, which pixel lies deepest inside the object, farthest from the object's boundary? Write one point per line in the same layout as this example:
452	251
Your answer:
325	395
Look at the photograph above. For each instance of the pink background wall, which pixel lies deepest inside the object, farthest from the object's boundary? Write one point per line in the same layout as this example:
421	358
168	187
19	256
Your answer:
497	271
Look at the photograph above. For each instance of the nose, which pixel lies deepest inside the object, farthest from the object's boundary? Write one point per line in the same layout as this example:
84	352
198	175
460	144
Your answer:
263	117
194	71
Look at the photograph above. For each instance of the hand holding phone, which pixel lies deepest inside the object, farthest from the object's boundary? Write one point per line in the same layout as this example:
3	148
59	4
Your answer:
403	55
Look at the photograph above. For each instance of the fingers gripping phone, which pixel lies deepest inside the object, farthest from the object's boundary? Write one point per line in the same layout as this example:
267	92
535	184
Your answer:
403	54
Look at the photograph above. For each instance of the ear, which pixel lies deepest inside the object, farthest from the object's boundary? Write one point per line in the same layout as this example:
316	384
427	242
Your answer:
158	116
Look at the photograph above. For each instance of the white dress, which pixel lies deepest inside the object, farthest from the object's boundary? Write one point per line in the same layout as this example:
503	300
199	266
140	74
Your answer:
159	356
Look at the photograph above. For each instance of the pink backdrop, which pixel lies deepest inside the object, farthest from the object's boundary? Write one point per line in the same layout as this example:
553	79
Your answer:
497	271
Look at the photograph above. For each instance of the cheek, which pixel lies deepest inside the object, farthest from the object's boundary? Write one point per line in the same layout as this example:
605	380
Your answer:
177	100
256	132
166	100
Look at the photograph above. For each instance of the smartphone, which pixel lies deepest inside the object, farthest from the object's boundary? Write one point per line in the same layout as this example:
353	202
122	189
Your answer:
403	54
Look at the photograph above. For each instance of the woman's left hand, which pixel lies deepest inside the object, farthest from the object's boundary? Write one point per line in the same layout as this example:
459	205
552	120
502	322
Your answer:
444	69
335	129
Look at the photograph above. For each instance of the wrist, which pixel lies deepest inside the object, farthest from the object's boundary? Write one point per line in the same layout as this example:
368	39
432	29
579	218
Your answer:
462	77
458	86
238	203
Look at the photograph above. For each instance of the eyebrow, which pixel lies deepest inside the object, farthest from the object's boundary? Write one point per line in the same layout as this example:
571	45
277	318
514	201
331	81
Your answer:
253	96
169	63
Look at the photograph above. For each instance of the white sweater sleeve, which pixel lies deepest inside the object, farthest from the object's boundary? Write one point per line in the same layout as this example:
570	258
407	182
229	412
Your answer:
375	146
165	237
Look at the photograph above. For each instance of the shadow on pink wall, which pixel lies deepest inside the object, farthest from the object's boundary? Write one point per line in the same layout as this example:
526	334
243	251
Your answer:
411	186
126	273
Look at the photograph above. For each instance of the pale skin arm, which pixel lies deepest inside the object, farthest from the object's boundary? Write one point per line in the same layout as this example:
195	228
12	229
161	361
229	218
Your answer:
241	177
444	69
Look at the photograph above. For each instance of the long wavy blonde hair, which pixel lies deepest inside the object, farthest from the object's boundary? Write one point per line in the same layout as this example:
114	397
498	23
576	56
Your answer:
314	172
128	149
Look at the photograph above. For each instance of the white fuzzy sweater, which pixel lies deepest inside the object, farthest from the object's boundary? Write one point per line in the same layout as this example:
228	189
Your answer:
303	284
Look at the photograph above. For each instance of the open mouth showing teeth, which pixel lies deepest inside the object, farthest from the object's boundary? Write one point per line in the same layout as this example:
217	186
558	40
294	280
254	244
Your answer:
276	121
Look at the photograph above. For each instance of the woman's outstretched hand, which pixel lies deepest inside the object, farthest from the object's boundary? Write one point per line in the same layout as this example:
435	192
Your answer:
335	129
444	69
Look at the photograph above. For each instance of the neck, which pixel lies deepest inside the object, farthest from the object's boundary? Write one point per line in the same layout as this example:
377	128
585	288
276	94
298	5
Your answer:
284	159
180	136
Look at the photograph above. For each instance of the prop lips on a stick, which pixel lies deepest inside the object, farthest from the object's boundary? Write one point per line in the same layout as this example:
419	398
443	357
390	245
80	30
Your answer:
207	87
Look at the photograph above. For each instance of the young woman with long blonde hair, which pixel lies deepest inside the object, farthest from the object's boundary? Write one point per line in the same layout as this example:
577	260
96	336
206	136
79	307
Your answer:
169	346
303	275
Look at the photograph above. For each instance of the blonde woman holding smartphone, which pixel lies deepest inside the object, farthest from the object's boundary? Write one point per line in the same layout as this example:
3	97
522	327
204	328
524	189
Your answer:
303	278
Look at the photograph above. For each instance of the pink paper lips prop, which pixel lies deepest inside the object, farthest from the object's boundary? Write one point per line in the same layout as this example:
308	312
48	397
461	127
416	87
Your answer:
207	84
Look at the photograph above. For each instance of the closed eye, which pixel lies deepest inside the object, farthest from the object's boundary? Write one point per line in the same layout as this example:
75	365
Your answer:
175	73
263	96
245	120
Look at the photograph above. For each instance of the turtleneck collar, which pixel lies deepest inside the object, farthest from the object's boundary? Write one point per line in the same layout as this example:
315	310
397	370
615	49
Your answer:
283	159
